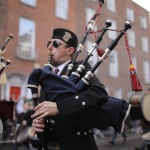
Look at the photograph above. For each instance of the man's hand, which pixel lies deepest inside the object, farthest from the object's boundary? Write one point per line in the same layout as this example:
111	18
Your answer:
45	109
38	125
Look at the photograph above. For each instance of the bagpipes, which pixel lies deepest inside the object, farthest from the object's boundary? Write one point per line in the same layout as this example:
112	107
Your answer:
57	86
4	63
4	104
50	81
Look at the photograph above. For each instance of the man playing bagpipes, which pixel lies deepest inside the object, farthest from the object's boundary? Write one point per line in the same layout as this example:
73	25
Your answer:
72	116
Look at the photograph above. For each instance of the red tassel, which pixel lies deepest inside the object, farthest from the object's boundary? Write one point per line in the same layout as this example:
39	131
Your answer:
100	52
135	82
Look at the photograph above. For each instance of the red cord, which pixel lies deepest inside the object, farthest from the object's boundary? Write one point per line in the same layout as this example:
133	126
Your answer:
135	82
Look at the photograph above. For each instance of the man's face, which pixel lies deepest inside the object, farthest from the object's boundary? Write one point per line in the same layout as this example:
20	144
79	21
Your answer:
58	50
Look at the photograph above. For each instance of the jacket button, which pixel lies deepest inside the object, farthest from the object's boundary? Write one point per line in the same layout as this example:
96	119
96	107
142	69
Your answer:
52	121
76	97
83	103
85	133
78	133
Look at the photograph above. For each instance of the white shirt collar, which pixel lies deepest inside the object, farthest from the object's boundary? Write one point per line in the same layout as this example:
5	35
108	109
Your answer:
61	67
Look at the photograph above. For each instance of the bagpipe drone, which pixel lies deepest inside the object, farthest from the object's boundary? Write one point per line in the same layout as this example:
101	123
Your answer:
4	63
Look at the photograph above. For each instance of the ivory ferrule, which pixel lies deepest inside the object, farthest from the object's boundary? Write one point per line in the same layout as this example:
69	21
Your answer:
94	46
88	75
85	81
80	48
80	68
70	66
35	95
75	73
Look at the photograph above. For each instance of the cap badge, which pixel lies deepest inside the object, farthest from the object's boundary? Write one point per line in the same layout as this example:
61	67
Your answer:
67	36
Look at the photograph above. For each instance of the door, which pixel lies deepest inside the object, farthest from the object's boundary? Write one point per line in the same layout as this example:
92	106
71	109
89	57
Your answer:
14	93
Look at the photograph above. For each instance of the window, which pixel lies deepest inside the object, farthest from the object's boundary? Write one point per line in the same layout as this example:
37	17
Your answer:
112	34
131	38
113	64
118	93
111	5
146	71
29	2
93	59
89	14
144	41
130	14
26	44
107	89
143	22
61	10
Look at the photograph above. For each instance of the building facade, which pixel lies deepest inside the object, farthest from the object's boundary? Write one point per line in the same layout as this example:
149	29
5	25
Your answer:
32	21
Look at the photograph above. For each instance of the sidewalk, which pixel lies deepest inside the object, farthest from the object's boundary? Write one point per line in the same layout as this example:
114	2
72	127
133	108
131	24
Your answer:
132	140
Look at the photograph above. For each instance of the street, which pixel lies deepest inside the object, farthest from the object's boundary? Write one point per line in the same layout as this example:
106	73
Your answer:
133	140
103	144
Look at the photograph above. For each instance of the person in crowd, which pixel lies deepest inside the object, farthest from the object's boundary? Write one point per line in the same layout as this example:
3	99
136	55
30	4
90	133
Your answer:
145	125
20	106
115	135
24	131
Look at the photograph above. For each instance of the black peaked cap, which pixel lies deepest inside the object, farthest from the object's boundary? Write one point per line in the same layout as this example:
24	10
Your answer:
66	35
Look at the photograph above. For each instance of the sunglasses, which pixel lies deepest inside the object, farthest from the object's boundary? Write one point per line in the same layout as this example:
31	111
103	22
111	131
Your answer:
56	44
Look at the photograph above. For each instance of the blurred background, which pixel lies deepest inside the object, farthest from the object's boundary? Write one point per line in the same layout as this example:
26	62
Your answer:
31	23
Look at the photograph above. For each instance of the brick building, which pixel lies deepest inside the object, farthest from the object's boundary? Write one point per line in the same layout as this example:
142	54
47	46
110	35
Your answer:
32	21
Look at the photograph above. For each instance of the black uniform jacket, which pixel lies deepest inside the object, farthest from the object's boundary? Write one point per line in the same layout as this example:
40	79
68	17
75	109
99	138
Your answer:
67	127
